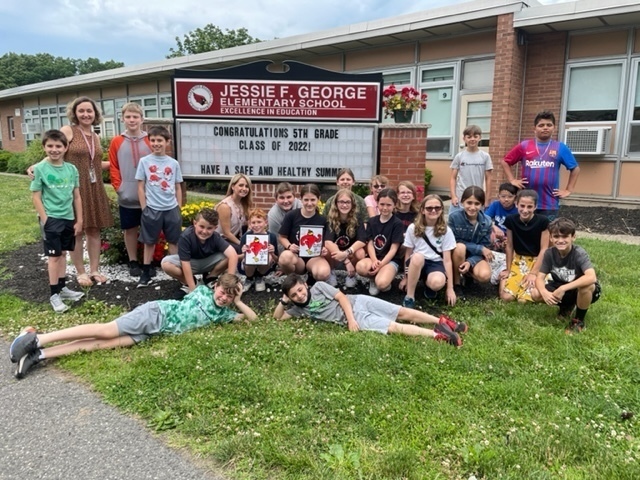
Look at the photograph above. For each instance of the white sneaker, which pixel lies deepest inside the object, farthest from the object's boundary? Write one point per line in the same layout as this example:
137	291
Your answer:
246	285
58	305
66	294
351	282
260	286
332	280
373	289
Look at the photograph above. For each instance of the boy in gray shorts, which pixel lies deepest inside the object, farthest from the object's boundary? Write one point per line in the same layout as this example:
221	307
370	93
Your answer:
198	309
324	303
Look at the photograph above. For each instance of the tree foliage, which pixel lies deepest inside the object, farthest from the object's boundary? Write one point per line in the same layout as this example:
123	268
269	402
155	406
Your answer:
22	69
210	38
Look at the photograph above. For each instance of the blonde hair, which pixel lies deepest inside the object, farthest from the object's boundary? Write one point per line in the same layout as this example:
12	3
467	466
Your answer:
71	110
247	202
413	207
229	283
352	217
420	223
132	107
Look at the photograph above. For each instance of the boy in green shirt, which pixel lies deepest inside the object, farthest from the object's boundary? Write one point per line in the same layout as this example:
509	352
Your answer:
56	197
199	308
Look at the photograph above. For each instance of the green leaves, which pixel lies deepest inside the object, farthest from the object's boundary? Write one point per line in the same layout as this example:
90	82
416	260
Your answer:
210	38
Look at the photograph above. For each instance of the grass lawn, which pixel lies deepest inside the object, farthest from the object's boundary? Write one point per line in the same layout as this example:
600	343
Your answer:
297	400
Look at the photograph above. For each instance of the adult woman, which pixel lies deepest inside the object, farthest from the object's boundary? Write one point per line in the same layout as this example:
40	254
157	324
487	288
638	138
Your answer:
233	210
85	153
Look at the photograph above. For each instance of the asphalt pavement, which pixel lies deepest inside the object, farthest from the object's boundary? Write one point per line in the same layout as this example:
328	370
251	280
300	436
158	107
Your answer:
52	427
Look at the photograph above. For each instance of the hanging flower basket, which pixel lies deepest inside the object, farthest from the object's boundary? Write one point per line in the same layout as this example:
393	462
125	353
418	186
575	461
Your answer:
402	116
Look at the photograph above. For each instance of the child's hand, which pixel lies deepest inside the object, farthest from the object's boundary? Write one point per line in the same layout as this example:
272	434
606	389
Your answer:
294	248
529	280
324	252
455	201
239	291
487	254
353	325
77	228
451	297
548	297
271	249
403	284
464	267
504	274
244	248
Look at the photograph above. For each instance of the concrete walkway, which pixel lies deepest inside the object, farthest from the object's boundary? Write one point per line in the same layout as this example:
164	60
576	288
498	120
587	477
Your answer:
54	428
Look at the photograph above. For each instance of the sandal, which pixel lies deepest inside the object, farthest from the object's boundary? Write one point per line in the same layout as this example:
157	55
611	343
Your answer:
84	280
98	277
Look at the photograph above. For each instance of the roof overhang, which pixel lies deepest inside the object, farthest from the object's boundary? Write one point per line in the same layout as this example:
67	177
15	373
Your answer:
458	19
579	15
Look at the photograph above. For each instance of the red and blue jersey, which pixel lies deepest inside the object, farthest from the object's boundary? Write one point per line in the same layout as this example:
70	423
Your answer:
541	167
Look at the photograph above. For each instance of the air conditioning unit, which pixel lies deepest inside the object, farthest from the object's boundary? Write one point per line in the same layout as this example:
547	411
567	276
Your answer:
29	128
588	140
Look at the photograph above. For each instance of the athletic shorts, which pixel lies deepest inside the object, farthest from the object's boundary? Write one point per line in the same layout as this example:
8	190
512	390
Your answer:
520	267
374	314
153	222
57	236
129	217
570	297
142	322
198	265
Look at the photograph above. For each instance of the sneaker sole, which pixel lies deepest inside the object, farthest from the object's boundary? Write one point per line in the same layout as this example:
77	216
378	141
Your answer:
13	358
144	285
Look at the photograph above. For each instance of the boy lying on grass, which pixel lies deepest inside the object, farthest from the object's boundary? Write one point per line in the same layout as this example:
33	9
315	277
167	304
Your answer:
322	302
199	308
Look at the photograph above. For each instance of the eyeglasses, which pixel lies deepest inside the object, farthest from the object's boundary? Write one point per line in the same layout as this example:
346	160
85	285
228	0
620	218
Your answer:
433	209
382	185
344	202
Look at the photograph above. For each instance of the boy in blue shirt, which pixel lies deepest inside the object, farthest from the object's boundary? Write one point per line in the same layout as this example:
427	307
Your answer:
159	177
198	309
201	250
498	211
56	198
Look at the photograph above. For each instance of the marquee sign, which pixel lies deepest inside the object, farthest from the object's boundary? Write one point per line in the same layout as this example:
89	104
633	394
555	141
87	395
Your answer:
291	151
302	124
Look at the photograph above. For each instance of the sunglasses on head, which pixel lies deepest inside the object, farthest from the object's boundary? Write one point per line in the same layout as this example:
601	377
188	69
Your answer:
433	209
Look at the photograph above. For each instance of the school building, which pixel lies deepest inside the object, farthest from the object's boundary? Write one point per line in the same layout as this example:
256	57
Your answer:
494	63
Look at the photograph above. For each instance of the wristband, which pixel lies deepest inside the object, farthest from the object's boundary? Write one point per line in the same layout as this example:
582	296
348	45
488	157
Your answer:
288	247
283	303
350	251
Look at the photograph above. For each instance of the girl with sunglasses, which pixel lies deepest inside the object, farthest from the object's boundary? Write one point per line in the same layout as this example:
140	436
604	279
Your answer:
378	183
428	244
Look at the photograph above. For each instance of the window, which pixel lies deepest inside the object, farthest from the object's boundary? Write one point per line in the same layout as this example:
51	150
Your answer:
399	79
439	84
108	108
634	134
166	106
12	128
149	105
594	93
478	75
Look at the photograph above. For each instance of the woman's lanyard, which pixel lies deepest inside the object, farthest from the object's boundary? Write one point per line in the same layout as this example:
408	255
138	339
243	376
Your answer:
92	152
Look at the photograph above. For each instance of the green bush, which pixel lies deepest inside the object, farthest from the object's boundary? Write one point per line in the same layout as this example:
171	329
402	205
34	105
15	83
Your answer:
4	160
34	152
361	189
18	163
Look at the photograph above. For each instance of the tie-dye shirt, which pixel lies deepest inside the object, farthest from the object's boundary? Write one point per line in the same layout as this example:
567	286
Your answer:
197	309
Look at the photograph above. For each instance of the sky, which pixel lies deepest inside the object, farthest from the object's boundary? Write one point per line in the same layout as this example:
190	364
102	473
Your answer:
140	31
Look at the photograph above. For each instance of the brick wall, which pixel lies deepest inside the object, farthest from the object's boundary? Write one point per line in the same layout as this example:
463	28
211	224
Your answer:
8	110
403	149
538	66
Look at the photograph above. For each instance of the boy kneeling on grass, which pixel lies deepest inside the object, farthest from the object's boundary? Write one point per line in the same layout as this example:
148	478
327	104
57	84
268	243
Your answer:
322	302
573	280
199	308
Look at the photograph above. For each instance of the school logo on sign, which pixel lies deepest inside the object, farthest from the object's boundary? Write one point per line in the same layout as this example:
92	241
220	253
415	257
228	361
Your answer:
200	98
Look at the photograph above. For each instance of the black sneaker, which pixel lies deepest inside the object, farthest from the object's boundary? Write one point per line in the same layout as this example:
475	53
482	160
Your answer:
152	272
145	280
134	269
458	327
23	344
429	294
445	334
209	281
575	326
459	291
565	312
26	362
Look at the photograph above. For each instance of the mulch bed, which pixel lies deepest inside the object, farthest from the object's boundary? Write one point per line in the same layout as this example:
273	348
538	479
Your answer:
28	275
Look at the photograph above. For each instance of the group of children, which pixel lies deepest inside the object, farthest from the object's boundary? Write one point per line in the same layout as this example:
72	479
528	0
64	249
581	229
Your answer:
396	234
